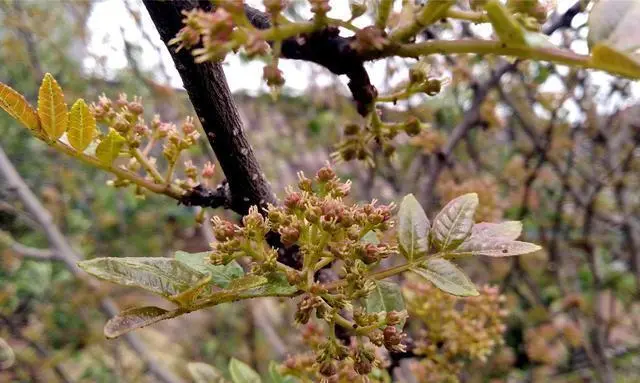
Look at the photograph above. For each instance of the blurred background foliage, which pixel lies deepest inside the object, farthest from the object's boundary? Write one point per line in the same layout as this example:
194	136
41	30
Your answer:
553	146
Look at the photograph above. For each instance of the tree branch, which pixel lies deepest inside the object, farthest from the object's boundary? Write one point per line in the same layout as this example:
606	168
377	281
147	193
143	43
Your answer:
211	98
65	253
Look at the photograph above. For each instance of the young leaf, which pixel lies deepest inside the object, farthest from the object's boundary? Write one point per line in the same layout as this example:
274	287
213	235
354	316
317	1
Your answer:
163	276
109	148
615	61
242	373
204	373
82	126
52	109
495	240
387	296
454	222
18	108
508	230
248	282
508	29
413	228
447	277
135	318
371	238
221	275
495	248
276	376
253	286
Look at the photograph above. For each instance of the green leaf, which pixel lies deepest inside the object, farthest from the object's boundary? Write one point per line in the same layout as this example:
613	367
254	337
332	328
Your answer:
253	286
508	29
163	276
371	238
204	373
82	126
221	275
447	277
413	228
387	296
109	148
276	284
454	222
277	377
495	248
508	230
495	240
242	373
248	282
135	318
52	110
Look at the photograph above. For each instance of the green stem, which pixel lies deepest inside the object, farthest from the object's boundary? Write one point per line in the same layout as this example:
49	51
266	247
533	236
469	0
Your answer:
137	154
119	172
476	46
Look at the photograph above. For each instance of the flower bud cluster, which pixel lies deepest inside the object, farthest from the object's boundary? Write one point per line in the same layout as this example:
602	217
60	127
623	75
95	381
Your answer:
454	329
143	139
316	219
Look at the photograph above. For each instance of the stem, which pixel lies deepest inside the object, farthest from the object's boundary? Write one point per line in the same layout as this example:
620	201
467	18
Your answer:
384	273
119	172
476	46
474	17
137	154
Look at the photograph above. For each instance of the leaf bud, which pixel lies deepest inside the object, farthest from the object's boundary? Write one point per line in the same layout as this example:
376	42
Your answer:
358	8
412	126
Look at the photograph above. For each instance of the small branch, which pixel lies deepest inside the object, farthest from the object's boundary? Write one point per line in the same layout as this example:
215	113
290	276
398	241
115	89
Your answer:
70	258
26	251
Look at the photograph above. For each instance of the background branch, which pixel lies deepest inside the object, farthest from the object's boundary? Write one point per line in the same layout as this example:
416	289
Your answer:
65	253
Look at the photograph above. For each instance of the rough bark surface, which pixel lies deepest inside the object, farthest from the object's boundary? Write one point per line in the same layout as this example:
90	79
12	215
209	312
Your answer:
209	93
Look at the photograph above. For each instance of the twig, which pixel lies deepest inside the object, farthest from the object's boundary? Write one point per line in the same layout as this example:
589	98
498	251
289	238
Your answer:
70	258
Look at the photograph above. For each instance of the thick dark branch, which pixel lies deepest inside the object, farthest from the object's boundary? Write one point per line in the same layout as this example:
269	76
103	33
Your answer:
208	91
201	196
327	48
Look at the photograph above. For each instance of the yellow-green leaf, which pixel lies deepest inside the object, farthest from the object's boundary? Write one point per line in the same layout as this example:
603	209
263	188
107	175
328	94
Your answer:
52	109
18	108
163	276
82	126
615	61
109	148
